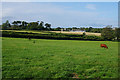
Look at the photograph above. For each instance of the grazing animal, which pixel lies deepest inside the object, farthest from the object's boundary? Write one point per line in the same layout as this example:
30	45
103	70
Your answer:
104	45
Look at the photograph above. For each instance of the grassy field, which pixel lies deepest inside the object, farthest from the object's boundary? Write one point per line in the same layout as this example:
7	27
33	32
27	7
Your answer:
42	58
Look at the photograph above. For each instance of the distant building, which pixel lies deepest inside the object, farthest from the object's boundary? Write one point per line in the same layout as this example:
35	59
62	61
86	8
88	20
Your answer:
77	30
114	28
62	30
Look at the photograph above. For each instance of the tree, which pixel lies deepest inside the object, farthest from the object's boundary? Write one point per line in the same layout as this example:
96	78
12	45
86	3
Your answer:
74	27
117	33
108	33
89	29
33	25
19	22
41	26
82	28
6	25
48	26
24	25
86	29
42	23
14	23
58	29
84	34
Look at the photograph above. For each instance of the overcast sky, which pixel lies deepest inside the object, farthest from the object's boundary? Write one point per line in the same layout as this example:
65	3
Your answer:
63	14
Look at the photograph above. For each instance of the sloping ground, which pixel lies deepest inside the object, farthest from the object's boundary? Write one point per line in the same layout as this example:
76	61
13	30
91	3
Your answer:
43	58
87	33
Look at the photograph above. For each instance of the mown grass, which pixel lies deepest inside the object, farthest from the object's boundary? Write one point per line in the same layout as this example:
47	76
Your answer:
22	58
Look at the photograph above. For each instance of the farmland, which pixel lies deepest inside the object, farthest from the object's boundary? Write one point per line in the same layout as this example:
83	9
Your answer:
47	32
87	33
43	58
49	35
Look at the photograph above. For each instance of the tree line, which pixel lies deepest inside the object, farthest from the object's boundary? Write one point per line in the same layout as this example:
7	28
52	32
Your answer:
20	25
107	33
88	29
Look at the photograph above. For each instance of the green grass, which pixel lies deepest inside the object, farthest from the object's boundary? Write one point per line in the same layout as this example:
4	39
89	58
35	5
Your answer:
58	58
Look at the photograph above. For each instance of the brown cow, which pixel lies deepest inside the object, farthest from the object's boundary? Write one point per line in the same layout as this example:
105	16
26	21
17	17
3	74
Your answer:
104	45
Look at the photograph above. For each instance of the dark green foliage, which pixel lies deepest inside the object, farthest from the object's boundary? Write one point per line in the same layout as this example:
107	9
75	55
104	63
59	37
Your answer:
95	30
108	33
33	26
84	34
6	25
90	28
22	25
57	29
74	28
19	22
48	26
16	25
82	28
50	36
42	23
117	33
41	26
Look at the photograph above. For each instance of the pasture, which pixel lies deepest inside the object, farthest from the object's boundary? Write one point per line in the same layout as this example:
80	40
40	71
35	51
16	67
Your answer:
42	58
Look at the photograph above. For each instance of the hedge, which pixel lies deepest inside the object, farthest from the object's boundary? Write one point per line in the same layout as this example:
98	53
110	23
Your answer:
59	36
